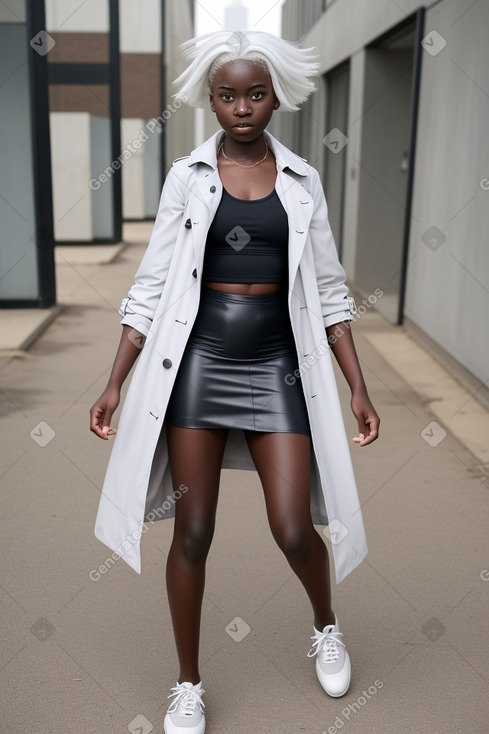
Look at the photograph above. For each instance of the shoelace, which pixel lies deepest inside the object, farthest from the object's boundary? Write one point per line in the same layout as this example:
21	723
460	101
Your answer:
185	700
327	642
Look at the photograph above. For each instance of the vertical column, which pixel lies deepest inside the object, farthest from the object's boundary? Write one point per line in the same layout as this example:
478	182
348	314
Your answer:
41	154
27	276
115	116
163	86
84	96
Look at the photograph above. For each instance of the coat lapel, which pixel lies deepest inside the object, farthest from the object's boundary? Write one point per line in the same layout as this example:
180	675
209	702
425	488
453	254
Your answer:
206	195
298	204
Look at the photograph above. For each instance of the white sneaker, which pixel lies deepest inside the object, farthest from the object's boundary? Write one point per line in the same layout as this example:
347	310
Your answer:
185	714
332	663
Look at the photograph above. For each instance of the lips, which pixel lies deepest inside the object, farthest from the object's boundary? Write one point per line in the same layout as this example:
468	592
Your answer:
243	124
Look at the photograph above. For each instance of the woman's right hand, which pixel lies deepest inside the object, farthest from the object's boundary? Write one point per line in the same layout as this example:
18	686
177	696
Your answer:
101	412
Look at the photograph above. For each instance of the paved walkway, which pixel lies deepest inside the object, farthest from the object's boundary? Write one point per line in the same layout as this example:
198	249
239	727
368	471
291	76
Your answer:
97	656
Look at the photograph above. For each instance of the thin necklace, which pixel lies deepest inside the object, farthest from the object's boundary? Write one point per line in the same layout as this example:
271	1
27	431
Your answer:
221	150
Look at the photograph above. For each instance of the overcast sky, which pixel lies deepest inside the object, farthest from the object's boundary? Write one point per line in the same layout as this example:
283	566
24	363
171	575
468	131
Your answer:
263	15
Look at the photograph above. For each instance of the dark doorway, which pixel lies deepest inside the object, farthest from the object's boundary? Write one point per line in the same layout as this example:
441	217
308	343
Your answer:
386	166
337	94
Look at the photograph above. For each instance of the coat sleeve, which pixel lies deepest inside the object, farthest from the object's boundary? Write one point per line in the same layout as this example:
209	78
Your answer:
139	307
336	304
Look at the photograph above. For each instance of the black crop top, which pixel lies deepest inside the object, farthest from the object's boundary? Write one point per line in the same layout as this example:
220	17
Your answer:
247	241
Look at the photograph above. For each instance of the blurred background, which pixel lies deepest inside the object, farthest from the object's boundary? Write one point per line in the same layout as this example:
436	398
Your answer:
398	131
397	128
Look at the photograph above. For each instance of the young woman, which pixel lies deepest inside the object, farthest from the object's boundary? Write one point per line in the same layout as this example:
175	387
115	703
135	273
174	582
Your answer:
241	298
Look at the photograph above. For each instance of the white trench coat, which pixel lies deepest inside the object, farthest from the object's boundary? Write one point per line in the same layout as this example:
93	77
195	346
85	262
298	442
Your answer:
163	303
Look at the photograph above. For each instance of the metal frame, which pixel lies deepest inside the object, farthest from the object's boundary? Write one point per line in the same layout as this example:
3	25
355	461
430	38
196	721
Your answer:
115	116
78	73
163	89
418	53
343	66
41	163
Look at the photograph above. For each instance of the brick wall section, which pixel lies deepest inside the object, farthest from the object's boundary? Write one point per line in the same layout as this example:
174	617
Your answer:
140	78
74	48
80	98
140	85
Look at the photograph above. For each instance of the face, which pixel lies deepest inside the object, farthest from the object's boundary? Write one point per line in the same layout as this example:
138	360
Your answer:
243	99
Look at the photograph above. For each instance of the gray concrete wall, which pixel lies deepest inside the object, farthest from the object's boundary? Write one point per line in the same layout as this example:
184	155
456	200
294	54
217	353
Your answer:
102	226
152	157
348	25
71	158
71	15
447	279
141	26
14	12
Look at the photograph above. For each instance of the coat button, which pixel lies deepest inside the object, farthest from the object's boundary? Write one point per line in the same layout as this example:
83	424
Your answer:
212	189
188	224
194	272
167	363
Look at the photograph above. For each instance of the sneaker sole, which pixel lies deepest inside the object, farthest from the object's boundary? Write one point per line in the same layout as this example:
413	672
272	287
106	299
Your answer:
200	729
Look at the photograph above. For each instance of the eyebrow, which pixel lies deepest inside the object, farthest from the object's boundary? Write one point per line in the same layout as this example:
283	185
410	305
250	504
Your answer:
253	86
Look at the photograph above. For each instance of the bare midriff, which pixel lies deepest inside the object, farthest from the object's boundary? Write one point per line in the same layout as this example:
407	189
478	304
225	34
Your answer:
247	289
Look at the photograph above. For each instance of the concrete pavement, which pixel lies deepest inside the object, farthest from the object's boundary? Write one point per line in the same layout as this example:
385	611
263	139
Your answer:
97	656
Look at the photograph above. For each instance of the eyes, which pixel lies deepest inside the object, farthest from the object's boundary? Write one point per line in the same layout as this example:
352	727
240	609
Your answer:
255	97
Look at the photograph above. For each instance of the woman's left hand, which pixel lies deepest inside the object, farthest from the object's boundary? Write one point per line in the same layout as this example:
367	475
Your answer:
367	418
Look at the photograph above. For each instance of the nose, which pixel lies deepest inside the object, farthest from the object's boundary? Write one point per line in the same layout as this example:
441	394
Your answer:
242	107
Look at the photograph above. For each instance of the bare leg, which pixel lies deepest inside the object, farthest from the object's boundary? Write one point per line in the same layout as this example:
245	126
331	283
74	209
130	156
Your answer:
283	464
195	461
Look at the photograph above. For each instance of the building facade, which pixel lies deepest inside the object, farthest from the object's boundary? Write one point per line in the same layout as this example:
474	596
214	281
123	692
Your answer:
89	126
81	106
398	131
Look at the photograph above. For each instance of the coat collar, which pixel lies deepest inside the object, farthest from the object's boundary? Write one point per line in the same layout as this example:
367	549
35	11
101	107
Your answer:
207	153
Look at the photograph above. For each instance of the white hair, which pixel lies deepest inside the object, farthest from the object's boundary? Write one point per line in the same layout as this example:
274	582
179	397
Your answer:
290	66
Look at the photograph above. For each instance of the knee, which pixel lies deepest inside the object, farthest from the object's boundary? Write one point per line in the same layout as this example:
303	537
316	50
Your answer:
195	542
294	542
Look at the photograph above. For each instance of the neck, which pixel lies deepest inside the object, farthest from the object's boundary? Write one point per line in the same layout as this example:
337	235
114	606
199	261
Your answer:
244	151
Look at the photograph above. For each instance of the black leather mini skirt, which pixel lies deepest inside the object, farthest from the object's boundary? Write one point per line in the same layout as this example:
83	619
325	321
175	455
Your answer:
237	366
